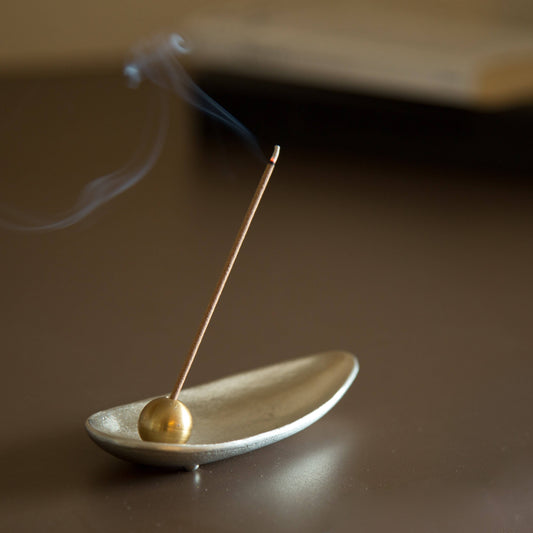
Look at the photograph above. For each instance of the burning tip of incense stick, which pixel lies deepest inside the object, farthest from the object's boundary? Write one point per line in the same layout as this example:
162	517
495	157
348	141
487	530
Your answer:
275	154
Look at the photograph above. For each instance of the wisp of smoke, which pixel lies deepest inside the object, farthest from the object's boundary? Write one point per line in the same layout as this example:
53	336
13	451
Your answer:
157	62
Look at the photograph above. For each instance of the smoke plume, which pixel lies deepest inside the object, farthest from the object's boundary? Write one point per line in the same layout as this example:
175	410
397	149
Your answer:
157	62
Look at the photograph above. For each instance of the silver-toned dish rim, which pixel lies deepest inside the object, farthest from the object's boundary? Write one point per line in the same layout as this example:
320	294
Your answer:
251	442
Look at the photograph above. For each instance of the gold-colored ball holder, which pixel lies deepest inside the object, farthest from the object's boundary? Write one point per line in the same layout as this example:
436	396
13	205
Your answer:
166	419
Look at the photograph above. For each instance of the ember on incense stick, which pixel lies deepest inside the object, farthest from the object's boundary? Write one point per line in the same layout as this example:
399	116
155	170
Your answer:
166	419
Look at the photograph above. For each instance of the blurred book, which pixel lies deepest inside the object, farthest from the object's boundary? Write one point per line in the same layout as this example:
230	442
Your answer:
451	56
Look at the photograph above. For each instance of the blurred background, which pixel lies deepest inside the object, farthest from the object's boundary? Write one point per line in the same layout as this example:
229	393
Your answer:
398	225
449	79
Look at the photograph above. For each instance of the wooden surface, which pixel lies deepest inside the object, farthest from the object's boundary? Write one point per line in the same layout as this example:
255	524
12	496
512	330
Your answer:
62	34
422	271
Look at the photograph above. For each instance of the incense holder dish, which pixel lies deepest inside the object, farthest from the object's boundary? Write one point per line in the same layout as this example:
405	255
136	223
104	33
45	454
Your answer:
236	414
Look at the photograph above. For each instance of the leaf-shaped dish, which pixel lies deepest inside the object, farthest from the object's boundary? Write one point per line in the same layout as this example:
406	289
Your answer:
236	414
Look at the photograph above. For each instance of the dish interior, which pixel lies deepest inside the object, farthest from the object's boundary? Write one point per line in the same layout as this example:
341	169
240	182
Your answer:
247	404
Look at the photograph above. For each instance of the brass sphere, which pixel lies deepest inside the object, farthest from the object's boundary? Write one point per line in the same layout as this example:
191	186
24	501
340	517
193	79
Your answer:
165	420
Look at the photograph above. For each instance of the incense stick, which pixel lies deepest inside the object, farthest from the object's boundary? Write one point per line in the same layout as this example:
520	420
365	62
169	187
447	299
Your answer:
225	272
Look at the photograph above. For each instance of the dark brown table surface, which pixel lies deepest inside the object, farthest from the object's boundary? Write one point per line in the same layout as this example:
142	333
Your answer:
424	272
